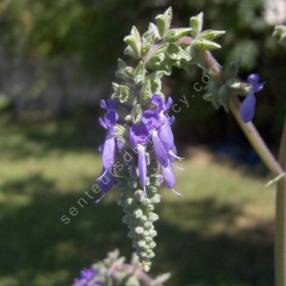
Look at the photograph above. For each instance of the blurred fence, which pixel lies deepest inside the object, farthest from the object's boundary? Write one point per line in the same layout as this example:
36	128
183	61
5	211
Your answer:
44	86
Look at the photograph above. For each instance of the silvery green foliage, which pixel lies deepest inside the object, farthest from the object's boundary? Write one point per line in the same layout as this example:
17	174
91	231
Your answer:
114	271
280	34
153	55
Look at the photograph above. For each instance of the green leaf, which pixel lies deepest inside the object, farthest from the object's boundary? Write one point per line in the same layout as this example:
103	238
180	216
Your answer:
211	34
122	93
134	44
174	34
164	21
124	72
177	53
202	44
231	71
158	56
149	38
155	80
196	24
136	113
146	91
139	73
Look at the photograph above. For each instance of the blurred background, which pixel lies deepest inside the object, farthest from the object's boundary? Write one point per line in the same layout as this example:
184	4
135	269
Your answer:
57	59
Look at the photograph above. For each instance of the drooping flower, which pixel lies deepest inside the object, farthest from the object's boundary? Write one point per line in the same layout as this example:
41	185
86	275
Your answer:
247	109
108	121
169	178
139	138
158	123
165	131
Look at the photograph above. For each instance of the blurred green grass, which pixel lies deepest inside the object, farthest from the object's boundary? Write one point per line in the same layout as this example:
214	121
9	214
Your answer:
219	233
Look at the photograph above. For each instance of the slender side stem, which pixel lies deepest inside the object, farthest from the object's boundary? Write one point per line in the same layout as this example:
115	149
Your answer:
280	236
249	129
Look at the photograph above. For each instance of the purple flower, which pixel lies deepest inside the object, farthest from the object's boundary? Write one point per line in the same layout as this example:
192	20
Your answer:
85	276
166	134
139	138
169	178
152	121
142	165
108	121
138	134
105	183
159	103
163	127
247	109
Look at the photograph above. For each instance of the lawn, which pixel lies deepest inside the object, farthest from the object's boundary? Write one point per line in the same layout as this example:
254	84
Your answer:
220	232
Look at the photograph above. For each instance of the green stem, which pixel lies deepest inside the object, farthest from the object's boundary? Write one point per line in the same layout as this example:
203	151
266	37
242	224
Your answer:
280	236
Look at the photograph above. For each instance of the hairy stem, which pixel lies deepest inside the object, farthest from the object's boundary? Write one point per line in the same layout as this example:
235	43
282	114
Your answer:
280	237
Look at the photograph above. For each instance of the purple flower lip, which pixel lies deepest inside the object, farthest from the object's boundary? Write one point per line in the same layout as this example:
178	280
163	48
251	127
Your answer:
109	120
151	119
159	103
138	134
247	109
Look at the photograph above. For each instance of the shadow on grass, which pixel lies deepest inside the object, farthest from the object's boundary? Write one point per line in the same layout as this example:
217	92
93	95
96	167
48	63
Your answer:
37	139
38	249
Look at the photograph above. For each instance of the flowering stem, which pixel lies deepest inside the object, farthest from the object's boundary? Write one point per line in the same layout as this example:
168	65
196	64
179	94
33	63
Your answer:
249	129
280	238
